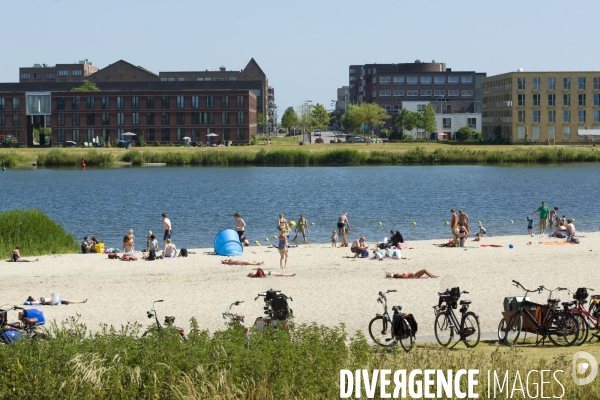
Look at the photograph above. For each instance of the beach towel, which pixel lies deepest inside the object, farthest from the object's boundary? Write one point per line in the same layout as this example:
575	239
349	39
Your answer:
556	243
491	245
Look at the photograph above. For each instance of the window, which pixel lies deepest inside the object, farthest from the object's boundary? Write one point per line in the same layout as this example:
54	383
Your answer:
536	132
412	93
536	83
239	134
60	135
180	79
135	102
16	103
25	76
552	116
398	80
180	118
596	99
581	115
397	107
596	83
240	118
120	102
195	101
207	118
105	102
51	75
385	80
150	118
566	132
233	78
398	93
105	118
164	102
387	107
374	80
75	133
180	102
536	99
74	103
74	119
374	94
426	80
521	116
521	83
2	120
566	116
180	133
567	83
171	79
453	80
200	79
165	135
163	79
472	122
2	103
466	80
60	103
37	75
218	79
426	93
195	118
240	102
581	83
551	83
453	93
120	118
521	100
551	100
77	72
150	102
207	79
439	80
16	120
225	102
90	119
60	119
536	116
90	135
447	123
466	93
385	94
421	107
412	80
164	118
225	118
551	132
210	101
521	133
596	115
566	99
581	99
439	93
352	78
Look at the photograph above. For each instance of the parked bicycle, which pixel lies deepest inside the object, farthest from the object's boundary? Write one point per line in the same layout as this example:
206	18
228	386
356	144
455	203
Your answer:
558	326
168	324
386	331
587	319
276	310
446	324
236	321
26	326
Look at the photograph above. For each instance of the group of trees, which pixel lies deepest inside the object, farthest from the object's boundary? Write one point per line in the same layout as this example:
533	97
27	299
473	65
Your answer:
409	120
358	116
311	117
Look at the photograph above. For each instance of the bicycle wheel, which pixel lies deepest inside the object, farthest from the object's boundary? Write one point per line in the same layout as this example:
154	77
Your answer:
469	329
380	330
562	329
444	330
408	341
583	328
513	329
502	329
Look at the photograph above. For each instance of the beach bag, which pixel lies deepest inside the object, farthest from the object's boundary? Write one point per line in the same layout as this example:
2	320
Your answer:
573	239
151	255
113	256
56	299
396	255
365	254
183	253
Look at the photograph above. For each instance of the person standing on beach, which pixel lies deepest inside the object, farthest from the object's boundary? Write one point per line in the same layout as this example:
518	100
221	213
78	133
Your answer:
282	246
240	226
302	227
454	224
463	218
530	226
544	212
283	224
167	225
343	224
552	216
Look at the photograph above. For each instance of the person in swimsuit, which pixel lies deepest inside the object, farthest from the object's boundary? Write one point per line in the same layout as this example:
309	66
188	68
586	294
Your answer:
241	262
302	227
358	246
170	250
259	273
43	302
16	256
127	246
131	238
283	224
343	223
282	246
240	226
410	275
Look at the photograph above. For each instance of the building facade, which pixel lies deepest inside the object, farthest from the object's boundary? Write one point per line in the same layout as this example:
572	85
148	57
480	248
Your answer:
343	99
540	107
58	73
447	123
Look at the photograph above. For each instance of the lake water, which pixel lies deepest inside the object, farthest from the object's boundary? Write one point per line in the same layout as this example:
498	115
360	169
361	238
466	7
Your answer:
200	201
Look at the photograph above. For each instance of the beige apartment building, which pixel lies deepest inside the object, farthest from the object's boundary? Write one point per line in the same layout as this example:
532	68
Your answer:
540	107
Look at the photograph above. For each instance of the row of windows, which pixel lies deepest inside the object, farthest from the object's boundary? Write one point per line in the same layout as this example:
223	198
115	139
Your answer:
197	79
536	99
536	133
386	94
134	101
88	135
197	118
16	103
15	118
51	75
566	116
551	83
424	80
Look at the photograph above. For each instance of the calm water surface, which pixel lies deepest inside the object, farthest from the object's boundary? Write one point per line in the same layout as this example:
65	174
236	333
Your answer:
200	201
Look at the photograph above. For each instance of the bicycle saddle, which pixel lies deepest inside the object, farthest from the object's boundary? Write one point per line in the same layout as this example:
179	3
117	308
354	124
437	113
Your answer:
583	301
397	308
553	301
568	303
30	321
465	302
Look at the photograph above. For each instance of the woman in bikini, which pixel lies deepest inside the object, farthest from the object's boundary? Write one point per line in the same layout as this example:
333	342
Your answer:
282	246
240	262
259	273
302	227
16	256
283	224
127	245
410	275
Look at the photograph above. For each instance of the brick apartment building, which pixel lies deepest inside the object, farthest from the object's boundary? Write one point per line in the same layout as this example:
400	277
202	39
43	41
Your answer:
132	99
58	73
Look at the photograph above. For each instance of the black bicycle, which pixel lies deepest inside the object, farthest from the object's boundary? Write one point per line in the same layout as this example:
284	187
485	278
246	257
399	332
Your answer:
387	331
276	310
168	324
446	323
560	327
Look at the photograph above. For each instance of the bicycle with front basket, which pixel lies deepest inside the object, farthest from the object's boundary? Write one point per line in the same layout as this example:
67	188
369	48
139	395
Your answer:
447	325
386	331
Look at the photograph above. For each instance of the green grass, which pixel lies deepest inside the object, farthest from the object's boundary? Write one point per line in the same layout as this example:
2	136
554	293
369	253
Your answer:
62	158
12	158
36	234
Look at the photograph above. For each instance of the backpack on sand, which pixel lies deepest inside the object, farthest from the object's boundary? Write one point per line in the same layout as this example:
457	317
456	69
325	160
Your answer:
183	253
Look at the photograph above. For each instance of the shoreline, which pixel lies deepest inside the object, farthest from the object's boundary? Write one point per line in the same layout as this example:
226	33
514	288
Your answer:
330	287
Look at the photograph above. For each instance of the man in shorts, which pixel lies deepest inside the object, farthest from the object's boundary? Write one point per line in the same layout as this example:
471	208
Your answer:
343	223
167	225
544	212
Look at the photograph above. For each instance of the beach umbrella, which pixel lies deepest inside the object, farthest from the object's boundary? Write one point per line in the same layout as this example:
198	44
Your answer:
212	135
128	134
186	138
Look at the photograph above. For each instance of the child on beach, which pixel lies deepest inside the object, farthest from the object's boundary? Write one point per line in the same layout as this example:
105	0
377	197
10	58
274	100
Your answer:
334	239
482	230
529	226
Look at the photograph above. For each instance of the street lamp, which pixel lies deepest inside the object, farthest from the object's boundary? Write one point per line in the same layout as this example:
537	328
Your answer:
306	115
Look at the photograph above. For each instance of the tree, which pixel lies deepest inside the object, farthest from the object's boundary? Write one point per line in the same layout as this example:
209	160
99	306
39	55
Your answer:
87	86
401	119
373	115
41	131
412	121
261	121
428	123
319	117
289	118
351	120
464	133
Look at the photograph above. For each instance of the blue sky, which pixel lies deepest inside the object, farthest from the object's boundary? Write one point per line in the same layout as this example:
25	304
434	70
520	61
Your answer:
305	47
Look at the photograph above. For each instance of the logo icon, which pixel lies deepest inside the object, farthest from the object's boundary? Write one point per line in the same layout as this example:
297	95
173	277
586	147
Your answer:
579	368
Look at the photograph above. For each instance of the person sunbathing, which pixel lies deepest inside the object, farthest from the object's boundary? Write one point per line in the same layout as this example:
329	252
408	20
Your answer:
241	262
259	273
16	256
410	275
43	302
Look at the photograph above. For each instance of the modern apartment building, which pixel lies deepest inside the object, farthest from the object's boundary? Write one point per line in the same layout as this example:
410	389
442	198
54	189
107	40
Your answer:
343	99
542	107
58	73
447	123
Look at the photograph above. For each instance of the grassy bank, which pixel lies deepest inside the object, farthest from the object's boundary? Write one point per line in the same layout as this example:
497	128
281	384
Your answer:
12	158
36	234
114	363
65	158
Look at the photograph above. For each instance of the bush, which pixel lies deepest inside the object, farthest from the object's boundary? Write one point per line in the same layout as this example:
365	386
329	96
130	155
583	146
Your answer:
58	157
11	159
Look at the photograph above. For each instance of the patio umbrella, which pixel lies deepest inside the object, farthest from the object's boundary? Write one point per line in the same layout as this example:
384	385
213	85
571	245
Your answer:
128	134
186	138
212	135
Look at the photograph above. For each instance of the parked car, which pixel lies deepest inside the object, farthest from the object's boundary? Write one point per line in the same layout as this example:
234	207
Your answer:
70	143
317	132
319	140
281	131
356	139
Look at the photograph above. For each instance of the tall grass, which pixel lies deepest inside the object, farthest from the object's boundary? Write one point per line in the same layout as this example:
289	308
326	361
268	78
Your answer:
61	158
35	232
305	364
11	159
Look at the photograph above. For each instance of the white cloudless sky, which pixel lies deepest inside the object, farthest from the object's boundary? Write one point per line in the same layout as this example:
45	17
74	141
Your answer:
305	47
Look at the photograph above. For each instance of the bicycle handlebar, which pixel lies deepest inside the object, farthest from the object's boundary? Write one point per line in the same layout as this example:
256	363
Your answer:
518	284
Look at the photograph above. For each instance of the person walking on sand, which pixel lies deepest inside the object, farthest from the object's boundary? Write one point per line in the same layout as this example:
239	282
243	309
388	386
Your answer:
282	246
454	224
301	227
167	225
544	212
343	224
240	226
463	218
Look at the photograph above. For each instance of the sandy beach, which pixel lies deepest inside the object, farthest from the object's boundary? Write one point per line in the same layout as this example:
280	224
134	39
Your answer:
330	287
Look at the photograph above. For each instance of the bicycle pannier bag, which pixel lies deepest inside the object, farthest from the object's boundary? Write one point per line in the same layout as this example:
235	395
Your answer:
398	326
581	294
412	322
279	306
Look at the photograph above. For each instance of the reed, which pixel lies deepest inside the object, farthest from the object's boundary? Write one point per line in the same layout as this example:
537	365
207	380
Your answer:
11	159
61	158
36	234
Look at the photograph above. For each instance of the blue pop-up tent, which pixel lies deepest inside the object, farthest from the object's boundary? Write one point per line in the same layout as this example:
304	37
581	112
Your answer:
227	243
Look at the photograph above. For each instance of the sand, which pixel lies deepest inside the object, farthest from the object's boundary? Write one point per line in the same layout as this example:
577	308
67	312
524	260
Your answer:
330	287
